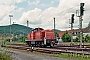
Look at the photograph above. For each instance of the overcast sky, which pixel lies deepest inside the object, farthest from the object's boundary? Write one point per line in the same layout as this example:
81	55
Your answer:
40	13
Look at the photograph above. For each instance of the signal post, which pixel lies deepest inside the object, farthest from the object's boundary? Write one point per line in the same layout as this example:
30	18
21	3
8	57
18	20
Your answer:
80	21
71	22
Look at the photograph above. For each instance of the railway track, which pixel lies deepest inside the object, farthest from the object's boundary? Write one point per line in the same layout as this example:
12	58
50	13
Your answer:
73	48
53	50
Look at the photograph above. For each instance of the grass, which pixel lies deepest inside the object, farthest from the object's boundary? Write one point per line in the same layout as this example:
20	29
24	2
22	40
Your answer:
3	56
71	56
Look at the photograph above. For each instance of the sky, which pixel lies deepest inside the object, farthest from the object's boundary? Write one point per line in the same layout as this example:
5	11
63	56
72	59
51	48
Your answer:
41	13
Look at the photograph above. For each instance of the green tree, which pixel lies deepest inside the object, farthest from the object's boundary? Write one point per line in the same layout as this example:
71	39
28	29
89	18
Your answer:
87	38
15	39
84	39
76	39
19	39
23	39
66	37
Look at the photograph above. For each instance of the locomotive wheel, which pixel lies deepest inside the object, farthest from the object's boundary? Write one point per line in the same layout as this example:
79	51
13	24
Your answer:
51	45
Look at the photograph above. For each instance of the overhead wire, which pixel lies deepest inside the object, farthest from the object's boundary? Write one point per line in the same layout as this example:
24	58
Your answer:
68	9
63	12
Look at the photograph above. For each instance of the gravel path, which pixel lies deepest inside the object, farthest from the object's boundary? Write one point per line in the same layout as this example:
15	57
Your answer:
16	55
25	56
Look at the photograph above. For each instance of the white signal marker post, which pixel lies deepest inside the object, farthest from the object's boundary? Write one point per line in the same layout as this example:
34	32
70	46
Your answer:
10	25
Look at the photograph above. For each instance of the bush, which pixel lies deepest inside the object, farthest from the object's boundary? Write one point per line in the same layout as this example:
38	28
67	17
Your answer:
4	56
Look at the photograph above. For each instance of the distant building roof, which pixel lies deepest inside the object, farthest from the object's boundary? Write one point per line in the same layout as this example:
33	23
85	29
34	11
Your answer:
75	32
62	32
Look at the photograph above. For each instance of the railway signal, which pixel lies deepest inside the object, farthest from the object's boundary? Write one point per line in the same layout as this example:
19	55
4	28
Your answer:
80	20
81	9
72	21
72	18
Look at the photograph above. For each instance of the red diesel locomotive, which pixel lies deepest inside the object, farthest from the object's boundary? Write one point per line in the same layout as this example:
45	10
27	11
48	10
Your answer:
40	37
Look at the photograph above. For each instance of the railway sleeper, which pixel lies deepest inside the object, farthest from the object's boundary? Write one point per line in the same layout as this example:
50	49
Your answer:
47	52
39	50
56	52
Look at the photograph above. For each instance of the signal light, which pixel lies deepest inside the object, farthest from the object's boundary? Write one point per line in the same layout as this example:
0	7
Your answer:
72	18
81	9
